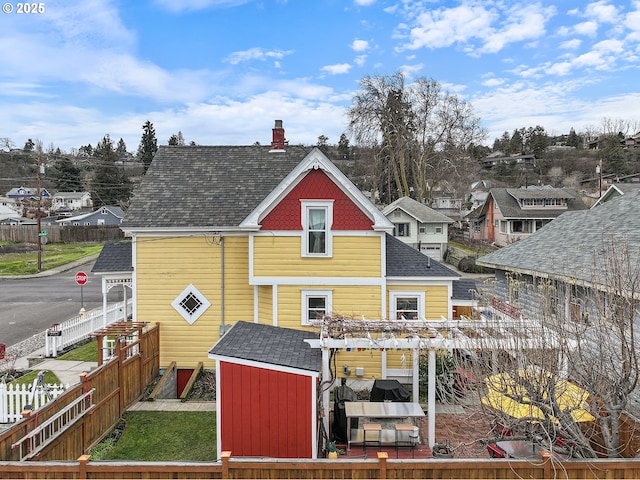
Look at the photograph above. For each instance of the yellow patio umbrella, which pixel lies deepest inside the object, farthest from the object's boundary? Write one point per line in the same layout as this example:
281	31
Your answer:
568	395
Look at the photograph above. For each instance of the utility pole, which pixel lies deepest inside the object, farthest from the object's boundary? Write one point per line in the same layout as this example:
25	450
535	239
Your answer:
38	220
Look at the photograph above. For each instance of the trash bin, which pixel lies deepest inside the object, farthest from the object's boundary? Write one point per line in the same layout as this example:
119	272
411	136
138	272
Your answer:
341	395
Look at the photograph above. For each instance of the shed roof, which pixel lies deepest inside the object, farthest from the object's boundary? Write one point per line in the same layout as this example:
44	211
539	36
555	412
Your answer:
114	257
280	346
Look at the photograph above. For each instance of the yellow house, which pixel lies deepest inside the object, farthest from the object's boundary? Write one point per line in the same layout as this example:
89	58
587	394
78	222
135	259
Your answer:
273	235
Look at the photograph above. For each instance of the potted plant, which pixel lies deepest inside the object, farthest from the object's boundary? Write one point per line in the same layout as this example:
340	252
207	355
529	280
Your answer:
442	450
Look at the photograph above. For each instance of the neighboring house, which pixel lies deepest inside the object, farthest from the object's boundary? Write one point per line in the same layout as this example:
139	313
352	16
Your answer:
107	215
23	193
9	216
449	204
616	190
512	214
496	158
419	226
570	256
70	201
11	204
276	236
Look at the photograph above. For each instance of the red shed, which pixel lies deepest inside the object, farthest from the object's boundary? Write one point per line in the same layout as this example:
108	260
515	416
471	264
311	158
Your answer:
266	388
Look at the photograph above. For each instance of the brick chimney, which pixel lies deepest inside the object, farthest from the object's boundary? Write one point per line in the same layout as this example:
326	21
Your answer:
278	141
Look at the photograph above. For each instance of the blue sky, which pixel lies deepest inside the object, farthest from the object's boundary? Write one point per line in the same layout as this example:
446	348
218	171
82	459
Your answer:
221	71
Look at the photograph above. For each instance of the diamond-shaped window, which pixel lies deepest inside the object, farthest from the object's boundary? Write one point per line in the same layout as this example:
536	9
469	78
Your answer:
191	304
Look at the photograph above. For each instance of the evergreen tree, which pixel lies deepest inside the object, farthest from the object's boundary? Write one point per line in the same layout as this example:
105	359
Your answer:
121	149
66	176
323	144
176	139
148	145
343	147
110	184
573	140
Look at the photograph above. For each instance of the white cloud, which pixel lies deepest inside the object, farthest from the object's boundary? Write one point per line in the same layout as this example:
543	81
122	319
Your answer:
364	3
359	45
255	54
586	28
444	27
337	69
493	82
360	60
572	44
468	24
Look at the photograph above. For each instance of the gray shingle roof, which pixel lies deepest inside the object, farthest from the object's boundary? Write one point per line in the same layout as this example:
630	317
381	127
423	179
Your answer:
510	209
268	344
405	261
208	186
417	210
114	257
463	289
567	246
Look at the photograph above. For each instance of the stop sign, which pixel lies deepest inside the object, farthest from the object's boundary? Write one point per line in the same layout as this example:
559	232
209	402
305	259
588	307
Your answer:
81	278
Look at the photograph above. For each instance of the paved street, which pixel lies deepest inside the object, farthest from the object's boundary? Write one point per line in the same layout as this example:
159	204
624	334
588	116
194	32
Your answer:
30	305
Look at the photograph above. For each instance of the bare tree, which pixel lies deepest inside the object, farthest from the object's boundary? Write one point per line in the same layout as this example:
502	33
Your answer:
419	132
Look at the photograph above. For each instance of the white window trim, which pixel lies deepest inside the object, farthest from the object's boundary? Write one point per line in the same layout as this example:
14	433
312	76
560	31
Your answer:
306	294
328	206
393	299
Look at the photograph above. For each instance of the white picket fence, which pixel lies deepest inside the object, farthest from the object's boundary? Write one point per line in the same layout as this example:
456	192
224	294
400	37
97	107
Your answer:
14	397
68	333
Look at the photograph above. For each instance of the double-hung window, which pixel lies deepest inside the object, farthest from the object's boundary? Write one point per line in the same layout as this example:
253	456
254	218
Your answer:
406	305
317	218
315	305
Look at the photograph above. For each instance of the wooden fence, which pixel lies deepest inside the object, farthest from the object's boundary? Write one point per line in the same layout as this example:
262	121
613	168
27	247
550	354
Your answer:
382	468
61	234
116	385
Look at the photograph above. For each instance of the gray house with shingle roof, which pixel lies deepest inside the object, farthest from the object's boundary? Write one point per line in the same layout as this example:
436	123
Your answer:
512	214
580	271
419	226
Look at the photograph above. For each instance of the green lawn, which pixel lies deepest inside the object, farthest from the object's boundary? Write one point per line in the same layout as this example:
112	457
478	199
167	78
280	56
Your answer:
84	353
53	255
161	437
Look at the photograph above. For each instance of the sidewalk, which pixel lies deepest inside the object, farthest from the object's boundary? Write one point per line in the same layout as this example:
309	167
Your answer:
67	371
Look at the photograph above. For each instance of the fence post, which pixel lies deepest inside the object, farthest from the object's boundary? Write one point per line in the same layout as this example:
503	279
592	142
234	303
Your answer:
224	456
382	458
82	466
546	456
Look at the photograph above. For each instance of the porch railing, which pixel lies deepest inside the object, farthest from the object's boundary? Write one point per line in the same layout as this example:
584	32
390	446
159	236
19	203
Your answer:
62	335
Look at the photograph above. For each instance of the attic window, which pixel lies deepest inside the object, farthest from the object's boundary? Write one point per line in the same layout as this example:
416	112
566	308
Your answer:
317	218
191	304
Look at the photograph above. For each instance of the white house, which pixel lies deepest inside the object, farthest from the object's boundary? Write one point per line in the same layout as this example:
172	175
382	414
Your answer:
71	201
419	226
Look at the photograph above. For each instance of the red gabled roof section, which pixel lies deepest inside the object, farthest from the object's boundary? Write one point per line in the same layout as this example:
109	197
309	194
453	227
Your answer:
316	185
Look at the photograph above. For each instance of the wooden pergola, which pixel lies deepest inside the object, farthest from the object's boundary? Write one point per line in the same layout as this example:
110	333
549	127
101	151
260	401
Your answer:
499	332
128	332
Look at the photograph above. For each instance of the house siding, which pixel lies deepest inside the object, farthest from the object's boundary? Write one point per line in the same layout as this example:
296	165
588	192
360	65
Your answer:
436	299
353	256
351	301
316	185
176	263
